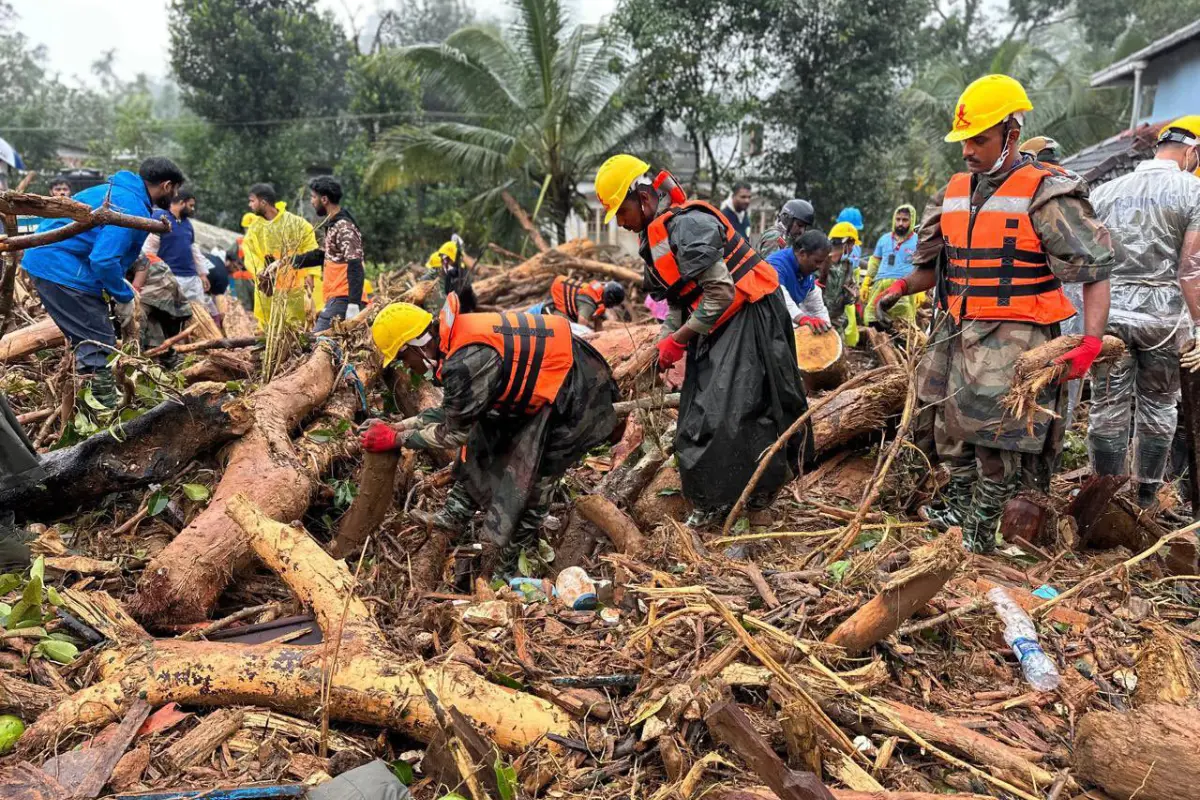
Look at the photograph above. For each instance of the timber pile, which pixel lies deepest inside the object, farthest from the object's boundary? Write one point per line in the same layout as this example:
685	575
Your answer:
765	663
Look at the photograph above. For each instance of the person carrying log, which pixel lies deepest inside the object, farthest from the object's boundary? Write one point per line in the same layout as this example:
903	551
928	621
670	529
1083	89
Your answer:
742	388
1154	212
798	267
340	260
1010	231
78	277
523	400
583	302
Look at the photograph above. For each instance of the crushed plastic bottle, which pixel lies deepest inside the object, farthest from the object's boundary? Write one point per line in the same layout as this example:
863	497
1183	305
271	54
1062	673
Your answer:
1022	637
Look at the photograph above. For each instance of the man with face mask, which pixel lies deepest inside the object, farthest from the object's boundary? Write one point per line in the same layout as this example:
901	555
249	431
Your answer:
178	250
522	401
1154	216
891	262
77	277
1008	232
341	259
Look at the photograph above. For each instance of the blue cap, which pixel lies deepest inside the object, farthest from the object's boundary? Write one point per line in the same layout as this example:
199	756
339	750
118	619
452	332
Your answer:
852	215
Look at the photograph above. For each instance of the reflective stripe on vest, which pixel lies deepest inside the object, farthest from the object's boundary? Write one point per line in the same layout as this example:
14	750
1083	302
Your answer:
753	278
996	267
564	292
535	352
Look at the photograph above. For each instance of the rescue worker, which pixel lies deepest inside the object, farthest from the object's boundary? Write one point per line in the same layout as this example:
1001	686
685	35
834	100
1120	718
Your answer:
341	260
1011	231
1153	214
742	388
270	246
523	401
798	268
77	278
583	302
794	218
1041	148
446	269
177	248
892	260
242	278
852	215
838	286
164	310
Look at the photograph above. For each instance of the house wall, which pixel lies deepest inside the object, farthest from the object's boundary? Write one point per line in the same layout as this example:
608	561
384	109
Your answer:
1175	77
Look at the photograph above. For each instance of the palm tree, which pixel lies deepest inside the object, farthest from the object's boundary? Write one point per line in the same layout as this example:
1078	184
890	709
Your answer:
537	109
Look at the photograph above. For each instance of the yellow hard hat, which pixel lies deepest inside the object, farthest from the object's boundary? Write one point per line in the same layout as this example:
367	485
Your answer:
449	250
249	218
614	178
396	326
985	103
1173	131
844	230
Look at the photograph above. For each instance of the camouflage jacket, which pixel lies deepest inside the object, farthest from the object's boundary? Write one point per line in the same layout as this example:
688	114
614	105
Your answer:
470	380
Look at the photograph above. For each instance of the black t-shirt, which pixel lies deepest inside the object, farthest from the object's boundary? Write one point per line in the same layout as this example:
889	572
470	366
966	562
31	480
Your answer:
218	276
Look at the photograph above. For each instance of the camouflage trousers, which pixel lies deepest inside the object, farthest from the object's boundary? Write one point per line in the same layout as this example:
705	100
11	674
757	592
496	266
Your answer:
460	508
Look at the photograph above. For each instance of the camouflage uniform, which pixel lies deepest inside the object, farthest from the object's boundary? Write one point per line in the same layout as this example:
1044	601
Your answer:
772	240
512	465
968	366
838	291
164	308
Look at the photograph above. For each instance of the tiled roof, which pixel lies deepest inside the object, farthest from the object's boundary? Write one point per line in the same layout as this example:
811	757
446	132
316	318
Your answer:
1116	156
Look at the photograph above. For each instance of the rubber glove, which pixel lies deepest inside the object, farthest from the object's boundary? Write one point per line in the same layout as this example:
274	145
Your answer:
1081	357
1190	360
816	323
669	352
380	438
891	295
864	294
352	311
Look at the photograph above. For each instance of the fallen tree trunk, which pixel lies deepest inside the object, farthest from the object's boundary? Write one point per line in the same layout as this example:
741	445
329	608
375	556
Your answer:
28	340
148	449
1152	753
183	581
905	594
857	411
1105	520
535	272
616	524
369	682
376	485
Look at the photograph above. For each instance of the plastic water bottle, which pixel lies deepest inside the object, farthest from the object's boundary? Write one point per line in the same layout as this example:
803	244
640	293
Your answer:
1022	637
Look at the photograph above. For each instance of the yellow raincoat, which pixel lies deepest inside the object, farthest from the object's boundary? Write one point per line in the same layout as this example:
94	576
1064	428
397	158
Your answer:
285	236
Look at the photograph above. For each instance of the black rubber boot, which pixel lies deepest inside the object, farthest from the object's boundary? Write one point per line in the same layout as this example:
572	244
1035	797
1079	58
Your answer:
952	509
524	538
1147	494
1107	462
104	388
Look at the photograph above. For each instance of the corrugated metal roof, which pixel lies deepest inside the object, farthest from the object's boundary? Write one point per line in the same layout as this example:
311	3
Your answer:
1126	66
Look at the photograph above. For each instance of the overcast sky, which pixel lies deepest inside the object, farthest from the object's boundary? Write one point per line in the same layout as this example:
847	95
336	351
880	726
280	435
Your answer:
78	32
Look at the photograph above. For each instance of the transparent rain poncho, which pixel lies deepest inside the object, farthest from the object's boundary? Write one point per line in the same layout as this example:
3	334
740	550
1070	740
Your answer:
1155	291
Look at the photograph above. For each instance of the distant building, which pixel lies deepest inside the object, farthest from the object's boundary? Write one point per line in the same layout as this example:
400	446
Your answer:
1164	76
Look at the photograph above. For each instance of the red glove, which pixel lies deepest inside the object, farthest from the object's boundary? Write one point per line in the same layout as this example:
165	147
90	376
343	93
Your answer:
1081	357
816	323
891	295
380	438
669	352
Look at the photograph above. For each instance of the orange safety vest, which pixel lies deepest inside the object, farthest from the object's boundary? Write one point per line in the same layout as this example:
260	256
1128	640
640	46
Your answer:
536	351
753	278
565	294
996	266
335	278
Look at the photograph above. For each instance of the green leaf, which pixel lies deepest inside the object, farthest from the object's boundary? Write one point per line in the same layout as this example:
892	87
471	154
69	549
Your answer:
157	502
403	771
10	581
5	610
196	492
506	779
320	435
742	525
82	425
38	570
54	597
234	386
90	400
523	565
59	652
838	569
545	551
507	681
59	636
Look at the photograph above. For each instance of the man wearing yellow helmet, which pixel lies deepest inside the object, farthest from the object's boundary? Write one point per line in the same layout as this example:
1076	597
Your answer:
837	276
1007	233
1154	212
742	388
445	268
523	401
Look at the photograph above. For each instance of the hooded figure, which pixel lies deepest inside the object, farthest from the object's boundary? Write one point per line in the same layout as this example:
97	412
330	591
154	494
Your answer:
893	259
523	400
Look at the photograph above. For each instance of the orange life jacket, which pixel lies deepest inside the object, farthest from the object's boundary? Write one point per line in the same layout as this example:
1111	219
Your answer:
753	278
535	348
565	293
996	266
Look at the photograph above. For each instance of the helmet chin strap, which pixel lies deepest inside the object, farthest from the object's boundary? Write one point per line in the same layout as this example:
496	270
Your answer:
1014	121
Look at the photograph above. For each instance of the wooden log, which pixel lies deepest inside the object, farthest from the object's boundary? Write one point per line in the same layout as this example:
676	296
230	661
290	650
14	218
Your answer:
183	581
1106	519
85	772
171	341
765	793
731	727
799	734
368	681
376	488
1017	766
858	411
1151	753
219	344
538	271
821	359
907	592
148	449
616	524
208	329
28	340
1165	675
881	343
23	698
200	742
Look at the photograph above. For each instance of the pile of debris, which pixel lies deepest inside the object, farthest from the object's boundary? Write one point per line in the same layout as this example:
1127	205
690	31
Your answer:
227	593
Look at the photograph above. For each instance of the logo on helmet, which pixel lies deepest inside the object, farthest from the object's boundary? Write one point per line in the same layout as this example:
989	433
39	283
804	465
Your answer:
961	120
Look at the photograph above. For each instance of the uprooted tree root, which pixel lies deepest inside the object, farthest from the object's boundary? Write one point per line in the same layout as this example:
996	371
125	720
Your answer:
1036	371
